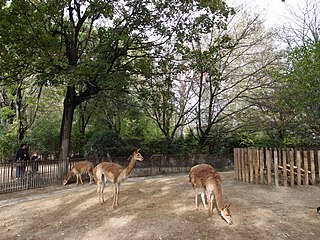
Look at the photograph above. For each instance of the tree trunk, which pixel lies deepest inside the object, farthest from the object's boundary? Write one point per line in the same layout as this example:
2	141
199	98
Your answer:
66	123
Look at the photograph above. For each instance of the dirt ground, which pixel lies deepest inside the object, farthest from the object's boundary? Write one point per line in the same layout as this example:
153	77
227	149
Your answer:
160	207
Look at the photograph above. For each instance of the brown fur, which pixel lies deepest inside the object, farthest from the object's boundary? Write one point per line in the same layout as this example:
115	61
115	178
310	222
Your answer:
78	169
194	171
114	173
205	178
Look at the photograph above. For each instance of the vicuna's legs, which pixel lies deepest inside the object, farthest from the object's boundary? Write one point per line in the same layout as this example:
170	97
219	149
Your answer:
210	199
203	199
90	176
202	195
79	177
100	187
196	199
116	192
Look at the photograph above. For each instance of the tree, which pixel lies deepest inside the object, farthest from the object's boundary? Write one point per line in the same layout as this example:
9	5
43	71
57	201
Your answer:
299	77
230	67
19	82
166	91
165	96
303	26
88	46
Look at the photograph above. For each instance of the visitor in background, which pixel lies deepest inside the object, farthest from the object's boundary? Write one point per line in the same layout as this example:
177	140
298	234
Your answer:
34	162
22	155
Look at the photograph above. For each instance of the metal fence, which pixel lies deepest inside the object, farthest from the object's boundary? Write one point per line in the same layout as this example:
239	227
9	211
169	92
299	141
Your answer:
33	175
51	172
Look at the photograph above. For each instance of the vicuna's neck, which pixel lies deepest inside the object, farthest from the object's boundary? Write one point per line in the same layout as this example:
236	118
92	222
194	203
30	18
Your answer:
69	174
129	168
217	190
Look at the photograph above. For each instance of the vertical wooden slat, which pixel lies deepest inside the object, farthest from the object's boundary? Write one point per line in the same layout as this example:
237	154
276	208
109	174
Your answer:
313	169
276	159
243	164
284	162
250	159
268	155
318	155
299	167
235	162
306	168
291	160
239	163
261	164
246	165
256	165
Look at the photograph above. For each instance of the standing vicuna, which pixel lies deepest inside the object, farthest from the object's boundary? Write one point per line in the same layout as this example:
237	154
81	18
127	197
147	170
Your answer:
114	173
205	178
78	169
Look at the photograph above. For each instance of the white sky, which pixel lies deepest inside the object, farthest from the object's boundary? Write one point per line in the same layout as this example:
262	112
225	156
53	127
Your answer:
275	12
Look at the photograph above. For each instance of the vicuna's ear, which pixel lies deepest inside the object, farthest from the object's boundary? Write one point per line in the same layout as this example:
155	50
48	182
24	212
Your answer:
138	150
228	205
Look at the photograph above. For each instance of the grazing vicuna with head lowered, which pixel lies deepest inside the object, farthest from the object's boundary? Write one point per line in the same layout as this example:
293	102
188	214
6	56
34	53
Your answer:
197	182
78	169
115	173
205	178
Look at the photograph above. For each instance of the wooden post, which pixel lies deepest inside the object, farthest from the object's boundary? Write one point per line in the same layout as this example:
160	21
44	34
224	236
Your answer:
299	167
291	159
261	164
250	159
239	163
235	163
256	165
284	164
313	169
243	164
319	163
246	159
268	155
306	167
276	159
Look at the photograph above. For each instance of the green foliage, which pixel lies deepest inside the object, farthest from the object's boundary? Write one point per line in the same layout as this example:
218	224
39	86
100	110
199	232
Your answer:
301	87
106	143
44	137
8	144
184	145
135	51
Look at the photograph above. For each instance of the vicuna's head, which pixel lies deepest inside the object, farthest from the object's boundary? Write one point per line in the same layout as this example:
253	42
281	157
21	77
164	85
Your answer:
137	155
226	215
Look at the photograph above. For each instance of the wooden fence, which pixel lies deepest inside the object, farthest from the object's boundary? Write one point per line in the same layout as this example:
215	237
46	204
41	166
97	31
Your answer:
275	166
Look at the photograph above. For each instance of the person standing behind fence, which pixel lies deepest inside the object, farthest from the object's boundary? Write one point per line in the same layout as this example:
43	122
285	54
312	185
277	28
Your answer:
21	156
34	162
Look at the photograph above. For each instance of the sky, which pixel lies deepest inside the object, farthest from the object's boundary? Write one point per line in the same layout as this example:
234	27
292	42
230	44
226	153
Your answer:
275	12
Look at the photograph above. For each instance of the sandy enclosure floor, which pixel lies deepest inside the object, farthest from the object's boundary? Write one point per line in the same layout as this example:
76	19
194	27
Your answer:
160	207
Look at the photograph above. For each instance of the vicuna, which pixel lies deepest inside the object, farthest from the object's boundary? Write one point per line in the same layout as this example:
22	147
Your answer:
78	169
206	181
116	174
